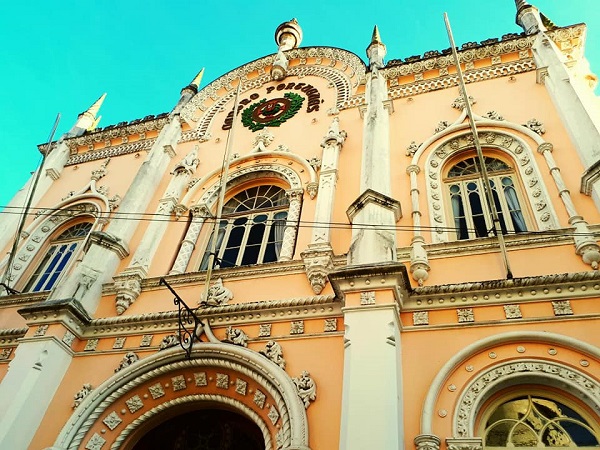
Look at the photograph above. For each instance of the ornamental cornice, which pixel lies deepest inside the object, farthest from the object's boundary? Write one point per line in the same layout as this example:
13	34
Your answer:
233	273
317	306
10	335
538	288
110	152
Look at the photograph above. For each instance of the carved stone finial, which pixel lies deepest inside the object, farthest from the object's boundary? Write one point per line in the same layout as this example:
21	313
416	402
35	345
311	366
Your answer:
376	50
87	121
334	135
274	352
217	294
195	83
236	336
306	387
287	36
82	394
128	359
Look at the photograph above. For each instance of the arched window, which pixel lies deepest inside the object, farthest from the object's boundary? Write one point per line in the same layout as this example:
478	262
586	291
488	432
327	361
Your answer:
538	421
57	257
470	211
251	229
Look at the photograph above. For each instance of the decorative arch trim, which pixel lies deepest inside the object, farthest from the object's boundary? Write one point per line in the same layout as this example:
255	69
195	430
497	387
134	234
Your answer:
515	148
508	373
446	371
289	411
219	399
342	68
46	224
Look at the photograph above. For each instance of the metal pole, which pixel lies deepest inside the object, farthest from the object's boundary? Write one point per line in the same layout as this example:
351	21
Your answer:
486	181
13	251
222	189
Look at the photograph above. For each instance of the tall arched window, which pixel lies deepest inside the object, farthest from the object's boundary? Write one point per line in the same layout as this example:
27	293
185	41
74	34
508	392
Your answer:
252	227
470	211
57	257
538	421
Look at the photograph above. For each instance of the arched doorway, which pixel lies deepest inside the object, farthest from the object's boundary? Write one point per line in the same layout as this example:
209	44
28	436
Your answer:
204	429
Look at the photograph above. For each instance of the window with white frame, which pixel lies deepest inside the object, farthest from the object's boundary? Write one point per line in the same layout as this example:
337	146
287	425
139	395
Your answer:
469	207
538	421
57	258
251	228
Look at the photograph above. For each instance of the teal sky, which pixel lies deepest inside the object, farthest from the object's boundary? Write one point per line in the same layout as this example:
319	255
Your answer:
61	56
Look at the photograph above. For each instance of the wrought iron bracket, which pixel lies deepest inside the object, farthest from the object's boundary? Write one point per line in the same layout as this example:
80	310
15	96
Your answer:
187	321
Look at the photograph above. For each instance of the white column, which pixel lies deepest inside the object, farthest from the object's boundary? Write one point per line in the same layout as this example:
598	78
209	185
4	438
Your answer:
291	225
199	215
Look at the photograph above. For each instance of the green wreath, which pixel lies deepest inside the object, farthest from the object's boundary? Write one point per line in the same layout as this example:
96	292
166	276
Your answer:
296	101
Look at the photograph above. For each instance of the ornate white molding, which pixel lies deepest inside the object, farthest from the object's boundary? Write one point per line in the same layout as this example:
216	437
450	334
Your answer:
288	409
536	371
110	152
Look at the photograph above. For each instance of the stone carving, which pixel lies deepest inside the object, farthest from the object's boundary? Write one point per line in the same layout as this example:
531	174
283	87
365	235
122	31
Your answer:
273	415
536	126
5	353
112	421
464	444
128	359
41	331
95	443
459	102
427	442
68	338
156	391
134	404
91	345
241	386
312	188
262	140
306	387
264	330
315	163
494	115
512	311
146	340
367	298
465	315
178	383
222	381
318	262
421	318
259	399
217	294
441	126
330	325
297	327
236	336
200	379
562	308
128	287
274	352
412	148
187	166
168	341
81	394
119	343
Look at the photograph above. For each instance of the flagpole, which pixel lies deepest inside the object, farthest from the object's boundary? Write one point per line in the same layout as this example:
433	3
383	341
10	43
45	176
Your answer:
222	189
486	181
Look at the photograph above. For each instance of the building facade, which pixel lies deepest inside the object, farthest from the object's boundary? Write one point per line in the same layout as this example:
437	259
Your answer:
301	255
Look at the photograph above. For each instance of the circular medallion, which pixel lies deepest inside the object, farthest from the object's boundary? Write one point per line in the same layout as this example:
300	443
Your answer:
272	113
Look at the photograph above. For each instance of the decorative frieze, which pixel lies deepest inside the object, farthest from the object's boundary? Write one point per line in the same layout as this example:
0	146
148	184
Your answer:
513	311
112	421
236	336
119	343
5	353
134	404
562	308
264	330
91	345
68	338
367	298
222	381
259	399
465	315
241	386
146	340
421	318
297	327
168	341
96	442
200	379
128	359
273	415
330	325
178	383
156	391
41	331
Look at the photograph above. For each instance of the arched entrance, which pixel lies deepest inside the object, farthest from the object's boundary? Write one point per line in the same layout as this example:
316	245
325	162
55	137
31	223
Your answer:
202	429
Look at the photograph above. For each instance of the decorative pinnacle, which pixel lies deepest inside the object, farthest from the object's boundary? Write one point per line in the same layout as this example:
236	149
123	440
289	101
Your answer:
288	35
376	39
93	110
521	4
198	79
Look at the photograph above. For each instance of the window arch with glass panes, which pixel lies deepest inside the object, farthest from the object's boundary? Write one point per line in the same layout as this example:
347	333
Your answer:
57	258
535	418
251	229
469	210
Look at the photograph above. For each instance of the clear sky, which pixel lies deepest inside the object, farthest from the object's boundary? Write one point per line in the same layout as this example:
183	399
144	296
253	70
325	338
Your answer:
60	56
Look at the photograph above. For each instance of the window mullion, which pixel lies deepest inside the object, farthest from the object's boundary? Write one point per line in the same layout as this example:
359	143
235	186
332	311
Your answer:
467	208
